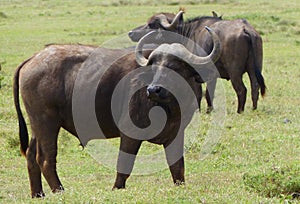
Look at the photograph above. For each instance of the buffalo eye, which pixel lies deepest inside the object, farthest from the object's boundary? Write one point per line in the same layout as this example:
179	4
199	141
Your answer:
198	79
153	25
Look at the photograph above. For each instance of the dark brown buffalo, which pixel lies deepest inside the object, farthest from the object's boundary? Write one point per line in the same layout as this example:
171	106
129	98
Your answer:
47	80
42	79
241	52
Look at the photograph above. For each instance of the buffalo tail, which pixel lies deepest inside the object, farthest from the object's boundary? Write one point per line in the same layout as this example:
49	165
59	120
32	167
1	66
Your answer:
23	132
256	45
261	82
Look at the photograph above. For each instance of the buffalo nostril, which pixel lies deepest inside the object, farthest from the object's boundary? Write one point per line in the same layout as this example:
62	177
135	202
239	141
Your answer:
130	33
153	90
157	89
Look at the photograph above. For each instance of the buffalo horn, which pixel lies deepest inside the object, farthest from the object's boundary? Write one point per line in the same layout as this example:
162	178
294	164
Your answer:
147	39
170	26
213	56
183	52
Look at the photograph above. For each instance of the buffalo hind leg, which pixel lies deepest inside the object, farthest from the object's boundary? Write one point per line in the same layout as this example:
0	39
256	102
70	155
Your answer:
241	92
198	93
254	89
210	94
175	159
46	134
127	153
34	171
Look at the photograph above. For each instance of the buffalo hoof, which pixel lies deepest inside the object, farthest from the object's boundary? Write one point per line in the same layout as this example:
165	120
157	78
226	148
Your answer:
179	183
240	111
38	195
60	189
296	195
117	188
209	109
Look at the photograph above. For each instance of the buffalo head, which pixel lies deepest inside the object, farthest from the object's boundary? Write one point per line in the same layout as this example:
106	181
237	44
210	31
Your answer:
164	21
169	60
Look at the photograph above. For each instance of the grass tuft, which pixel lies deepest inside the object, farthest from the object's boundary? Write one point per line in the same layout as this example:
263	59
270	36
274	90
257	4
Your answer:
276	182
3	15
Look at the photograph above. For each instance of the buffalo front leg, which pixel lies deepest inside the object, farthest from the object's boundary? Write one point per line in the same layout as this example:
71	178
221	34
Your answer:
210	94
177	171
175	159
34	171
127	153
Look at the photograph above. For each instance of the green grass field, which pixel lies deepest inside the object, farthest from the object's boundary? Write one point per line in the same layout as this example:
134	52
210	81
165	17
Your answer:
256	159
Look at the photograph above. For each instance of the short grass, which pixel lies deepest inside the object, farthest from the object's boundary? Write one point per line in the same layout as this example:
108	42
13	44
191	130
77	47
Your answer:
255	160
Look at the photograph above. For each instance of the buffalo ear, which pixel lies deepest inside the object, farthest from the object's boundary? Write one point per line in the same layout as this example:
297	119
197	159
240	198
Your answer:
214	14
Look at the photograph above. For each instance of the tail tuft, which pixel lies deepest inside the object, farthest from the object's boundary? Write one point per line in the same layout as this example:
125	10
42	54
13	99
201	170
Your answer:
261	82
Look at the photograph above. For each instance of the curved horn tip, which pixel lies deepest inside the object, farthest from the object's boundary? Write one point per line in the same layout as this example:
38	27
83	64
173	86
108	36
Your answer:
182	9
181	12
146	39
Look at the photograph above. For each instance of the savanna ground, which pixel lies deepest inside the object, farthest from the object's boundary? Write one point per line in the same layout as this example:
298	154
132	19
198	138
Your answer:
256	159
